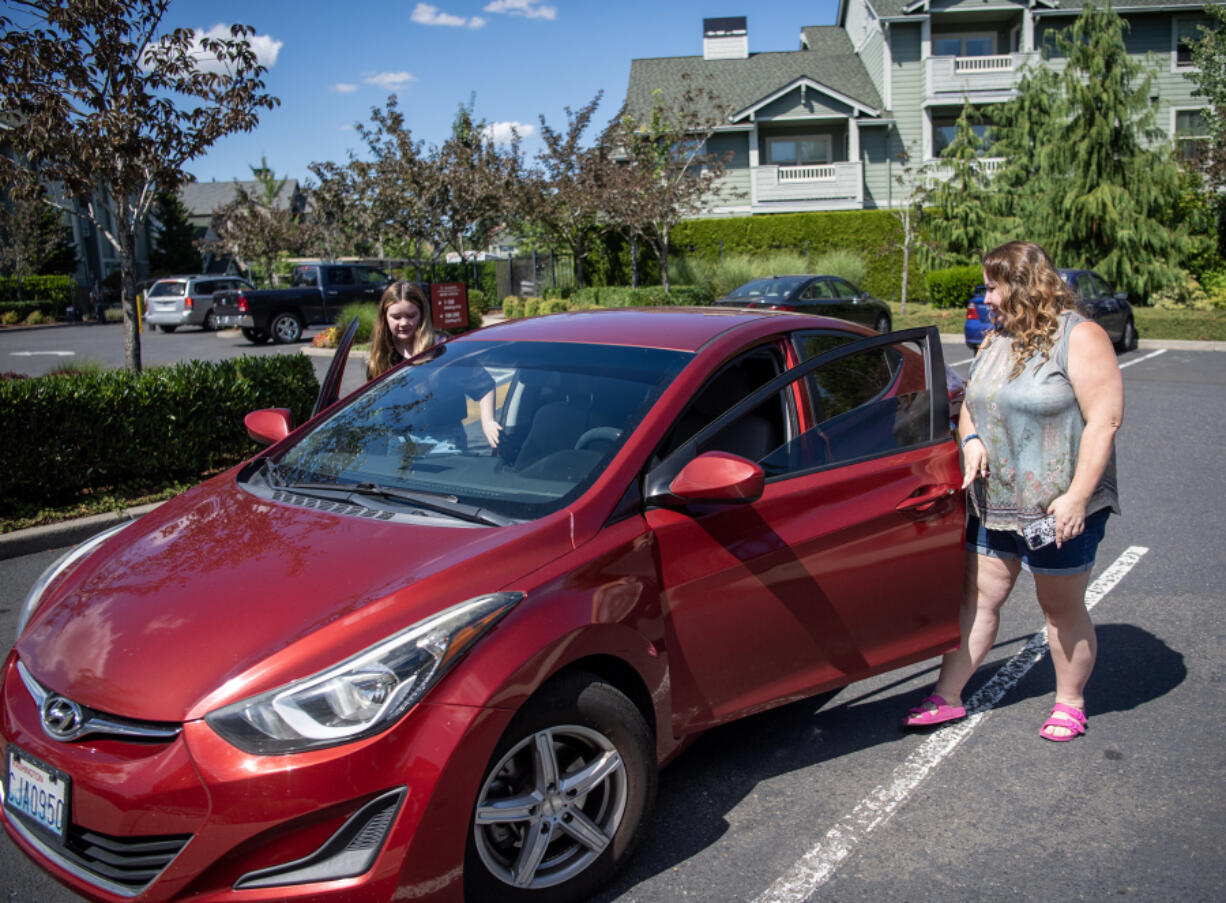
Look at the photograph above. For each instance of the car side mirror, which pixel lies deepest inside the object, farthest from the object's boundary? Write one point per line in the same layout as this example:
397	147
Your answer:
715	477
269	425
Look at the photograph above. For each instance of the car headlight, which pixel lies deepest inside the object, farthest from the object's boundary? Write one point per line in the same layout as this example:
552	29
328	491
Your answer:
365	693
57	567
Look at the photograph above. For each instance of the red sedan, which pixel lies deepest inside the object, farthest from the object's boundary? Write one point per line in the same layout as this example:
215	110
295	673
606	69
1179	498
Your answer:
384	660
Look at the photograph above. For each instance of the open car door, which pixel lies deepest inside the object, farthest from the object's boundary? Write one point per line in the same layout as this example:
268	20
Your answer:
330	388
851	560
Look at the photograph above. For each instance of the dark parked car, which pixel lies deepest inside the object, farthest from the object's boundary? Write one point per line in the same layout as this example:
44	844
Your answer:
1097	298
369	665
827	296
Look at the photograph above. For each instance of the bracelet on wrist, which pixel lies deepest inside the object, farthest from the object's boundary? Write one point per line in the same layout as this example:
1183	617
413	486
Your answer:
969	438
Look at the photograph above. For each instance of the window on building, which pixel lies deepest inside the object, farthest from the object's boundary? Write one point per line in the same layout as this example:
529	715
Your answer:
1185	30
944	128
798	150
964	45
1191	134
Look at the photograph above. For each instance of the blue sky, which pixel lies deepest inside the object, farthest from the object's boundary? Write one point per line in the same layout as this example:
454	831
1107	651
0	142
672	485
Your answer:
329	63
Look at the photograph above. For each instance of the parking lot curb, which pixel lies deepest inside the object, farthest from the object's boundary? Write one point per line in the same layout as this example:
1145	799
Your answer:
66	533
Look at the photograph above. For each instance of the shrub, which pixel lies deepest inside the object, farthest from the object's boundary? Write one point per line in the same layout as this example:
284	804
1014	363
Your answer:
366	312
328	338
840	262
532	307
56	292
477	301
1193	295
512	307
554	306
92	432
953	287
10	318
36	317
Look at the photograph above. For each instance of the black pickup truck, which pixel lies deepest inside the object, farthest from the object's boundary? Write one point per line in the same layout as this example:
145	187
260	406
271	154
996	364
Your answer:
316	294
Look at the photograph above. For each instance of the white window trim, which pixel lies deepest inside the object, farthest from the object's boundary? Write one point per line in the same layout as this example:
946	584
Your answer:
963	36
1175	20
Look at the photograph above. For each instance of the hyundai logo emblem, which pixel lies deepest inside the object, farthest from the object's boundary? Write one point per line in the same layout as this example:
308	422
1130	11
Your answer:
62	718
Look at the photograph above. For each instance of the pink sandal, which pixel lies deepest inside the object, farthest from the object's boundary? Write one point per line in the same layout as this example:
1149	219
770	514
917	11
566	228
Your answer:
1075	723
924	717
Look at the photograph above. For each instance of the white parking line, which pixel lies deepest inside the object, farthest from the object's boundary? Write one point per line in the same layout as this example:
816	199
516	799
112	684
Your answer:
816	866
36	353
1147	357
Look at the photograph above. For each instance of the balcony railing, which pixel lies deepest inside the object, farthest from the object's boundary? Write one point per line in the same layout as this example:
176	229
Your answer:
833	182
947	75
989	166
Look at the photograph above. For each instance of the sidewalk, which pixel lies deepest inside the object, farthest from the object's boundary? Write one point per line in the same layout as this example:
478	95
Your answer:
66	533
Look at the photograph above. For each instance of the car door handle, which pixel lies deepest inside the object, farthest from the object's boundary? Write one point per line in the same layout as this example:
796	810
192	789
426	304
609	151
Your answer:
925	497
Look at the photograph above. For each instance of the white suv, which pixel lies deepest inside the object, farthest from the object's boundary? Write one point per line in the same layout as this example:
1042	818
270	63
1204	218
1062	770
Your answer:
186	300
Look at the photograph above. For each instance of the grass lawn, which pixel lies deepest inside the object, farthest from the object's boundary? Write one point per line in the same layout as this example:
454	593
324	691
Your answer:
1152	323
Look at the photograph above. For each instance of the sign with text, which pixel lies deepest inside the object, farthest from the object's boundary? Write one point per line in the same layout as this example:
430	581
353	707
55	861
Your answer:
449	305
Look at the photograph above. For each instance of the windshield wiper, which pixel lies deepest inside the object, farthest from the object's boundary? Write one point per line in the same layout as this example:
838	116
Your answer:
434	501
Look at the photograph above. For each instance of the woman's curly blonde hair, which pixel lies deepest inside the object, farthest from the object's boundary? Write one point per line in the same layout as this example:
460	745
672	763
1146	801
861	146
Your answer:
1032	297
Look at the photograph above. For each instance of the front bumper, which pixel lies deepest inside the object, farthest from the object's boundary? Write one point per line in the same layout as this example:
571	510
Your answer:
261	826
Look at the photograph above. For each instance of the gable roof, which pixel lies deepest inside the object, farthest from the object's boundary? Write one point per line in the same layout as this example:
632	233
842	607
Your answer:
203	198
830	63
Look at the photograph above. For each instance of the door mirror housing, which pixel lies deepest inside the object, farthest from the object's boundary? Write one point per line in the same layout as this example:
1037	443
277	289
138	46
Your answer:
269	425
714	477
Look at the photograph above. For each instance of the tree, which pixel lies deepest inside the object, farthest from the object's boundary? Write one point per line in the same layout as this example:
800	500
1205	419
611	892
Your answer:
665	170
1209	57
909	212
565	196
475	185
255	227
1098	184
339	208
963	223
174	246
33	237
112	113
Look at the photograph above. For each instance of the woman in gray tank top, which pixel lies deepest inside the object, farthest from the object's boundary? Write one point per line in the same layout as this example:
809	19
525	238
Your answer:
1043	403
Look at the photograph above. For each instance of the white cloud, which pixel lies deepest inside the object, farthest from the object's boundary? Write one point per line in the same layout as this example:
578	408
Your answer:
344	88
427	14
266	48
500	132
389	80
529	9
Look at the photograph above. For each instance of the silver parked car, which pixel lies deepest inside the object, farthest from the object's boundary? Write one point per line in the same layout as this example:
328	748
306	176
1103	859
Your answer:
187	300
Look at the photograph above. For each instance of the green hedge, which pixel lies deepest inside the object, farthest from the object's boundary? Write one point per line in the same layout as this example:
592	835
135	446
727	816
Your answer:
67	434
953	287
607	296
23	309
873	234
55	291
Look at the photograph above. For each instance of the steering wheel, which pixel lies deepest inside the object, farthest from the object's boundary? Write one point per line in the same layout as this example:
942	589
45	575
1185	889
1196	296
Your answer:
609	433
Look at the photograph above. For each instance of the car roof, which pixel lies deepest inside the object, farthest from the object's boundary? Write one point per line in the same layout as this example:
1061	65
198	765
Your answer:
671	328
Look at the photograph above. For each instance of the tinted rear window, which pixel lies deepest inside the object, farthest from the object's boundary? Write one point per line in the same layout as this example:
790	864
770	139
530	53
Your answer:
168	290
767	288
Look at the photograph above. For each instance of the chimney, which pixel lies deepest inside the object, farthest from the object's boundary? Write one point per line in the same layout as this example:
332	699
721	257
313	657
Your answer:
725	39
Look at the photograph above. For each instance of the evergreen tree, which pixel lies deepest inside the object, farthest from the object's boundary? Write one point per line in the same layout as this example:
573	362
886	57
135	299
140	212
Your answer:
1209	56
963	224
174	248
1113	179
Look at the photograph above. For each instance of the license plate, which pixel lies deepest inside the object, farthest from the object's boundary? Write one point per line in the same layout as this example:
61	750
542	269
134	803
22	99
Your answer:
37	791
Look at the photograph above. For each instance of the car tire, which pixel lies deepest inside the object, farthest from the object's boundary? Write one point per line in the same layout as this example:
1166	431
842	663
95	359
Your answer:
1128	338
581	757
167	327
255	336
883	324
210	322
285	328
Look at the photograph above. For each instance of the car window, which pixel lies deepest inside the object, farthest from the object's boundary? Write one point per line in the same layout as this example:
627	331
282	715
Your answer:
1102	287
820	291
173	289
1084	286
844	289
339	275
304	276
774	288
371	276
870	402
565	410
206	287
754	435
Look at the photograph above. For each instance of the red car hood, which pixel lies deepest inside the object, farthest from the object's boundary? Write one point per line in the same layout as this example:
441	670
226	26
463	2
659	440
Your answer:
219	594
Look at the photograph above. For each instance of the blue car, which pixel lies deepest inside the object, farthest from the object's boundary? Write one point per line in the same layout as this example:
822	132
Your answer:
1097	299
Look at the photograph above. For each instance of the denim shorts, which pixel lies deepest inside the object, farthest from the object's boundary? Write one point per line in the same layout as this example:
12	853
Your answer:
1076	556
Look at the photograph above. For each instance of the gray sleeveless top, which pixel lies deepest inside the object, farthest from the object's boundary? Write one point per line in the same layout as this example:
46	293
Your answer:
1031	427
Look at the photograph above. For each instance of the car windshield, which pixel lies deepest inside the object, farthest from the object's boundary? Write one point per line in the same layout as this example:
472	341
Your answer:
168	290
564	411
776	288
